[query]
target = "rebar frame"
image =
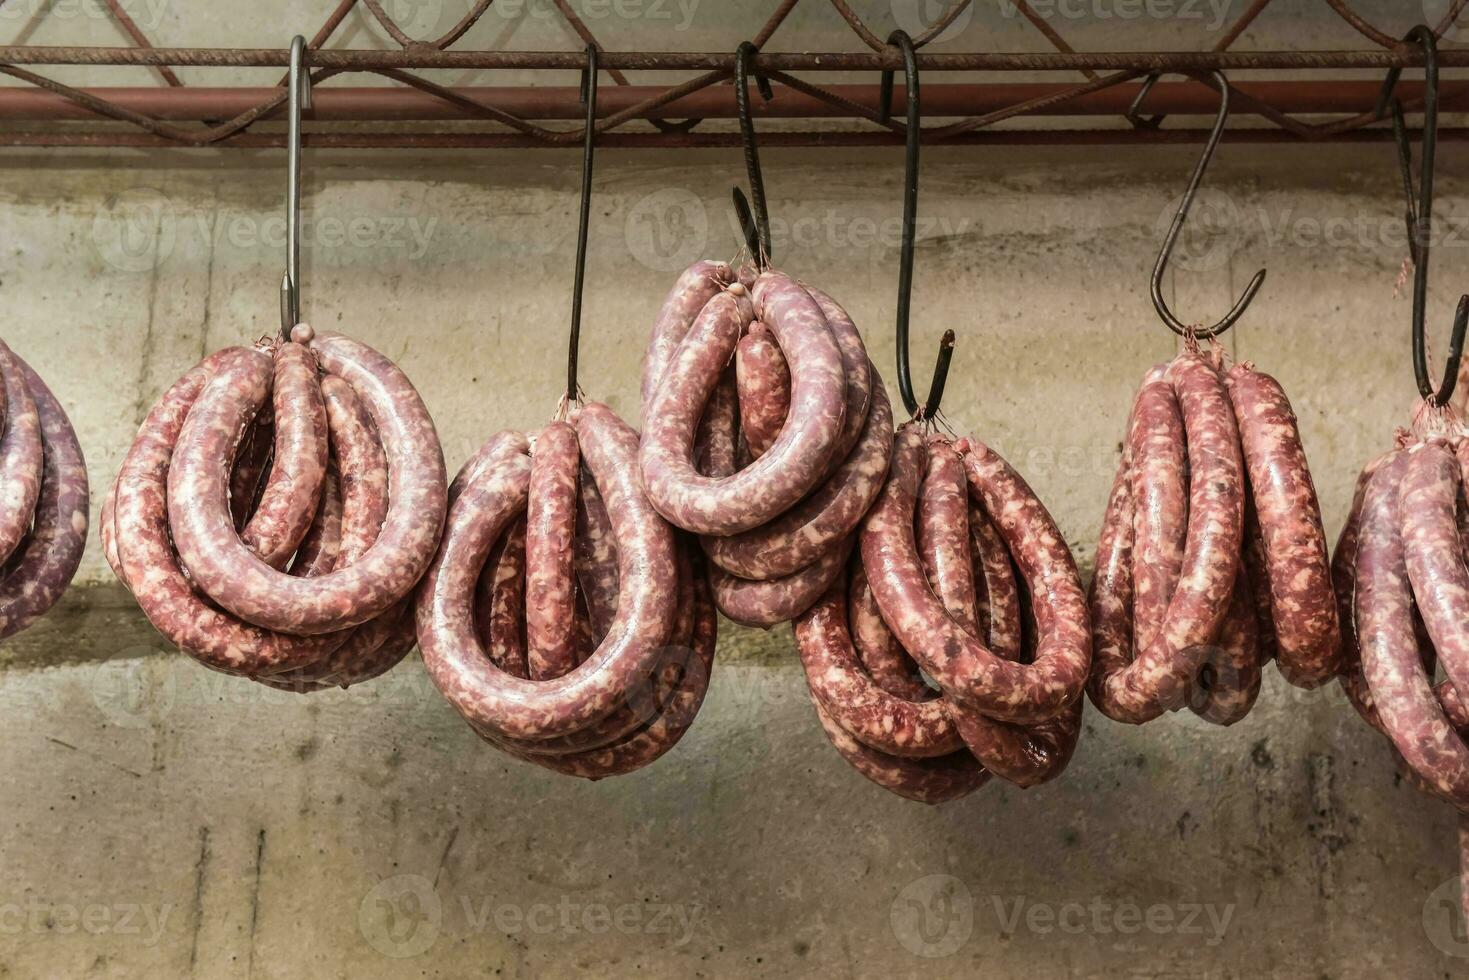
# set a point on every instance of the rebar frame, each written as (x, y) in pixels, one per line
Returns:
(425, 114)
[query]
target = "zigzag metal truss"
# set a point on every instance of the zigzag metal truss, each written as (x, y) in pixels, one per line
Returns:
(423, 113)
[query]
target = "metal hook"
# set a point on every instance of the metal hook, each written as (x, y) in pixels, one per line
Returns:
(1161, 266)
(299, 98)
(756, 228)
(1420, 218)
(589, 99)
(912, 134)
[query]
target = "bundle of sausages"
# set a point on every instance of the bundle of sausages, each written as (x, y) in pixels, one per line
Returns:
(277, 508)
(563, 618)
(1212, 559)
(767, 431)
(43, 496)
(1403, 594)
(961, 573)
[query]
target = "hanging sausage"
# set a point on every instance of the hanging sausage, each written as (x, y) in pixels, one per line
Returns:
(1212, 558)
(767, 430)
(956, 645)
(564, 619)
(282, 500)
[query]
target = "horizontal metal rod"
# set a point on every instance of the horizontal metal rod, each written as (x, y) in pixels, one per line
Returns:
(481, 140)
(426, 57)
(382, 104)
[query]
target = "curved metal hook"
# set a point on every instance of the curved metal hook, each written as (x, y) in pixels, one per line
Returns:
(299, 98)
(589, 99)
(912, 133)
(756, 229)
(1419, 216)
(1184, 204)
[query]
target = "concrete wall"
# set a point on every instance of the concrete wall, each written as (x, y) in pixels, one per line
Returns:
(162, 820)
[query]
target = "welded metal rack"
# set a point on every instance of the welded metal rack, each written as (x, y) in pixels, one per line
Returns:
(402, 108)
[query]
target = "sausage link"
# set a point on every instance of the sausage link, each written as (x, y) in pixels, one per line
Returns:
(770, 602)
(884, 659)
(876, 718)
(20, 455)
(550, 610)
(1109, 598)
(696, 286)
(961, 664)
(1401, 690)
(997, 595)
(362, 471)
(1229, 679)
(44, 565)
(596, 555)
(485, 455)
(1428, 503)
(799, 457)
(1252, 565)
(687, 677)
(151, 568)
(861, 376)
(252, 465)
(323, 541)
(716, 444)
(644, 702)
(494, 701)
(108, 530)
(1159, 474)
(1159, 678)
(500, 603)
(1307, 632)
(1026, 755)
(351, 594)
(935, 780)
(1344, 584)
(942, 530)
(764, 381)
(812, 528)
(370, 651)
(298, 459)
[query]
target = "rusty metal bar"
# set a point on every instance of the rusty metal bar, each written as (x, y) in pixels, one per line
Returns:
(420, 57)
(695, 140)
(382, 104)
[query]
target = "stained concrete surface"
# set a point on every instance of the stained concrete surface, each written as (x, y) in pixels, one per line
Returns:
(165, 821)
